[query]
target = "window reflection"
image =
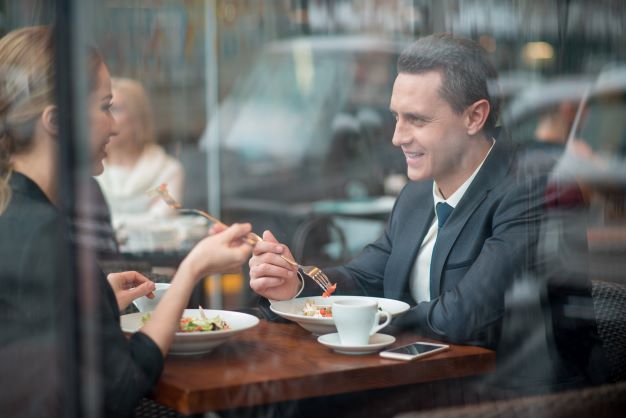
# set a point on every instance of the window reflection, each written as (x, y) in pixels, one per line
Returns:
(287, 101)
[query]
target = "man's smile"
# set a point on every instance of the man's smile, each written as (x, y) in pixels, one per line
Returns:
(413, 155)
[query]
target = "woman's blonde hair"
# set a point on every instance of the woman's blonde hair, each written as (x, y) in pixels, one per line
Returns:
(26, 88)
(138, 105)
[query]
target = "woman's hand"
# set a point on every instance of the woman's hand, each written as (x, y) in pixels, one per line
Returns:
(130, 285)
(217, 228)
(223, 252)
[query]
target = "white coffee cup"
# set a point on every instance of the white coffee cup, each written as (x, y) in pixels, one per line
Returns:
(358, 319)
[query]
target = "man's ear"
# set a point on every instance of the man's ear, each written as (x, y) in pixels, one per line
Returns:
(50, 120)
(476, 116)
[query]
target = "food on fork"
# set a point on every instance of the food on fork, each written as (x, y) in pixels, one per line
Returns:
(162, 192)
(318, 276)
(329, 291)
(313, 272)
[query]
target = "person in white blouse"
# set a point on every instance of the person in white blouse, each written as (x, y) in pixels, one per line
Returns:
(135, 163)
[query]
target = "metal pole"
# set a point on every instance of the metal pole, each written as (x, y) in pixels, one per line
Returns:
(73, 28)
(213, 148)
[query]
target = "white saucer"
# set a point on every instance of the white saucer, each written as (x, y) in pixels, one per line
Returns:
(377, 341)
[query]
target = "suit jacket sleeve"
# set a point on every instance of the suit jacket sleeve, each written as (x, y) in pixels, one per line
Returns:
(363, 275)
(470, 305)
(470, 311)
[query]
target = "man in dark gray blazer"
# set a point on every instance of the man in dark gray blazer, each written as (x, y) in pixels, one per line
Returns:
(461, 229)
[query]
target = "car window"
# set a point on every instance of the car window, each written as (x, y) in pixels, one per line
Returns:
(286, 106)
(604, 124)
(312, 113)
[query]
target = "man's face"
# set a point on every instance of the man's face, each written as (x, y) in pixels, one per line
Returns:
(432, 136)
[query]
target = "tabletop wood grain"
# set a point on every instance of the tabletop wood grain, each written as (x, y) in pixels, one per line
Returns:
(277, 362)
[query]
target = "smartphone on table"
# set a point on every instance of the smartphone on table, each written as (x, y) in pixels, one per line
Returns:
(414, 350)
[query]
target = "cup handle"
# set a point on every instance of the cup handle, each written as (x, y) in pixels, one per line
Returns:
(377, 328)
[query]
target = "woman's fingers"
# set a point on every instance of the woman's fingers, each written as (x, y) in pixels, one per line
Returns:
(217, 228)
(235, 232)
(144, 289)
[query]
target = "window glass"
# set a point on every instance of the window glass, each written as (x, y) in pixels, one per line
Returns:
(281, 113)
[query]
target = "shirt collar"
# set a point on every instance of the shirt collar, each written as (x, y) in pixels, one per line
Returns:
(455, 197)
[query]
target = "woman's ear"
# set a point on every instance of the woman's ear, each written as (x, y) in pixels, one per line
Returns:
(50, 121)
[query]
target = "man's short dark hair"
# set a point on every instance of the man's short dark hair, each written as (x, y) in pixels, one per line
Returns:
(464, 66)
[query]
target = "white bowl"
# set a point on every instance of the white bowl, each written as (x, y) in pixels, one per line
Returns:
(145, 304)
(292, 310)
(200, 342)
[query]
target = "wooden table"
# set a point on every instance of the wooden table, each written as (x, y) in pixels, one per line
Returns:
(276, 362)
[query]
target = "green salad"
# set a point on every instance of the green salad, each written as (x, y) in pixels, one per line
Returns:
(190, 324)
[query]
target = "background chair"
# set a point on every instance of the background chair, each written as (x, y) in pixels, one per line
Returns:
(609, 300)
(150, 409)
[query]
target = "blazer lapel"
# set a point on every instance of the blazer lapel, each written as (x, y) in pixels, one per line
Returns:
(409, 239)
(447, 236)
(492, 172)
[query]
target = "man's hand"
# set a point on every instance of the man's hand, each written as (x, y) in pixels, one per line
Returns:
(130, 285)
(270, 275)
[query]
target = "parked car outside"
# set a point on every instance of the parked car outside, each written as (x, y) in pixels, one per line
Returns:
(539, 120)
(309, 123)
(521, 116)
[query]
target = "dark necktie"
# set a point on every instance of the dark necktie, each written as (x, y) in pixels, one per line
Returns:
(443, 211)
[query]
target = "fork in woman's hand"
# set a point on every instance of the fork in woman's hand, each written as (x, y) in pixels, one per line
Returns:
(313, 272)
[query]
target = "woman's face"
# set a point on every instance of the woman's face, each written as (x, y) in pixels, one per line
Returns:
(102, 124)
(125, 120)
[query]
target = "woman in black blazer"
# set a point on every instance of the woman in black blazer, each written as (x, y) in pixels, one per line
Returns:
(33, 246)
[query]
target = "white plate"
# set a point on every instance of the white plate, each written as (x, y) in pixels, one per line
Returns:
(377, 342)
(201, 342)
(292, 310)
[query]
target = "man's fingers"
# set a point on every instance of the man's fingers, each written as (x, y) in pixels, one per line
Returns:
(278, 249)
(272, 260)
(271, 270)
(269, 237)
(261, 248)
(263, 284)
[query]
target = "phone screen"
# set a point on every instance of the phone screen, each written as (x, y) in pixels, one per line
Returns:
(415, 349)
